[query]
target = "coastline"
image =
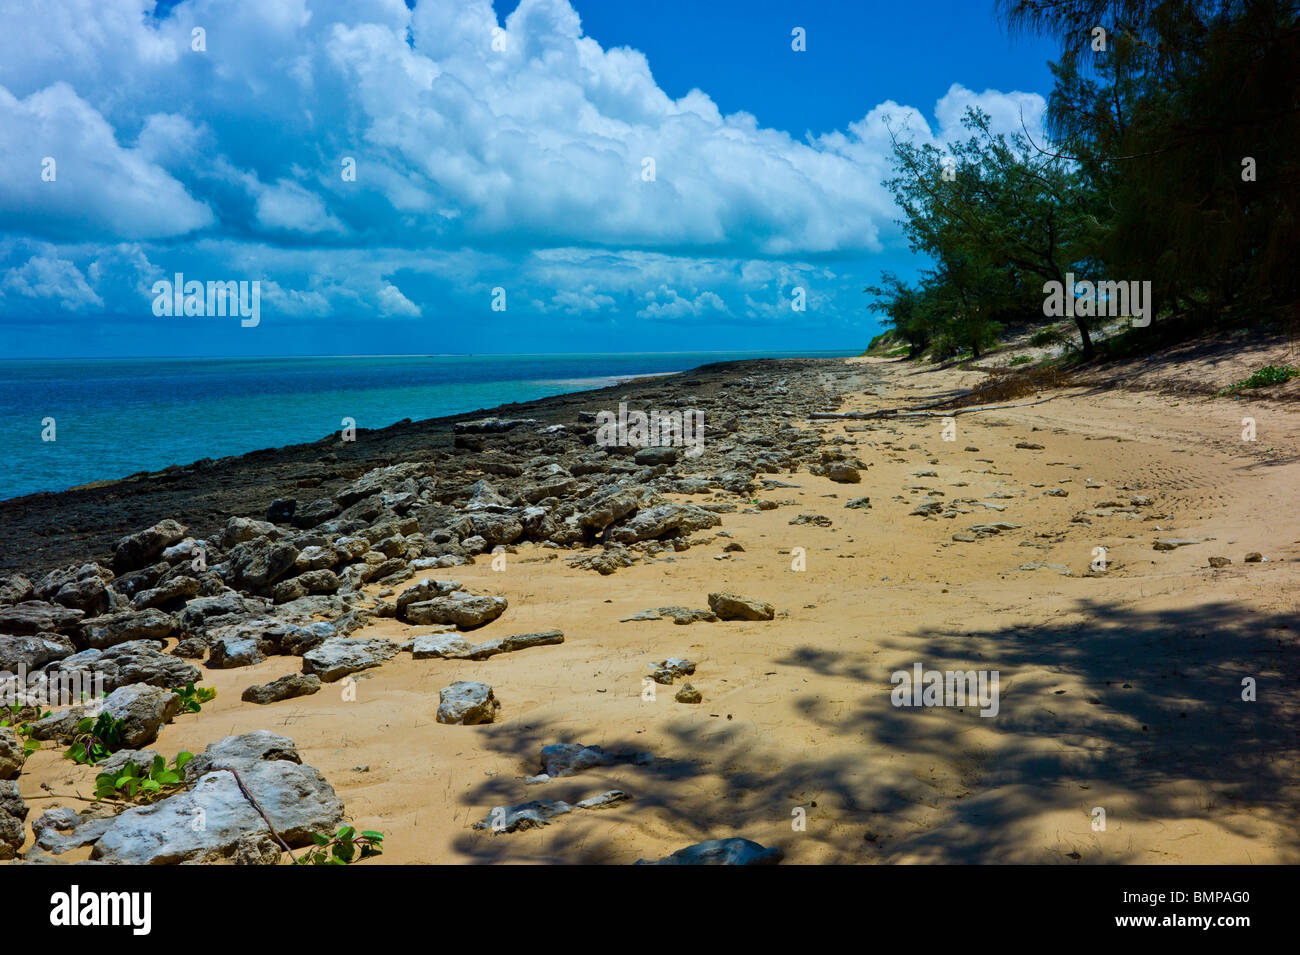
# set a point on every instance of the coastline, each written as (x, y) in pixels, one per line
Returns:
(38, 531)
(1120, 689)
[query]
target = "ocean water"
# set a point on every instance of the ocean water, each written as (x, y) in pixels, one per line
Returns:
(114, 417)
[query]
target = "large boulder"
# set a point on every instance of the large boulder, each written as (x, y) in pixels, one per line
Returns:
(89, 593)
(207, 610)
(269, 635)
(649, 523)
(12, 813)
(380, 479)
(484, 497)
(241, 529)
(339, 656)
(440, 645)
(132, 583)
(169, 592)
(297, 800)
(143, 708)
(656, 455)
(14, 588)
(32, 652)
(605, 507)
(721, 852)
(234, 752)
(285, 688)
(734, 607)
(136, 661)
(143, 547)
(258, 563)
(114, 628)
(426, 589)
(467, 611)
(664, 520)
(226, 653)
(467, 703)
(495, 528)
(37, 616)
(317, 557)
(12, 756)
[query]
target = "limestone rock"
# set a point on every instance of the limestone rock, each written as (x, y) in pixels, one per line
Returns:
(285, 688)
(144, 709)
(467, 703)
(339, 656)
(721, 852)
(734, 607)
(142, 547)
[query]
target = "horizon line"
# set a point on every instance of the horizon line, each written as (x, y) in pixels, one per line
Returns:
(707, 351)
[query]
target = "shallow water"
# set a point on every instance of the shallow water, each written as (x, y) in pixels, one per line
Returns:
(113, 417)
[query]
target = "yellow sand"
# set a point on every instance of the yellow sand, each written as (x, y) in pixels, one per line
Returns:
(797, 711)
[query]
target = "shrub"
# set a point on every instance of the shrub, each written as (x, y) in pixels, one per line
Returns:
(96, 738)
(142, 785)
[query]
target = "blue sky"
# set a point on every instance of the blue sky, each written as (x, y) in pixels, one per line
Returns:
(504, 147)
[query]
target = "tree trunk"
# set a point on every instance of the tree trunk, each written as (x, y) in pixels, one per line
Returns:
(1084, 338)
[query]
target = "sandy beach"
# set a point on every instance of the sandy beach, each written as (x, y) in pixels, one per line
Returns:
(1120, 689)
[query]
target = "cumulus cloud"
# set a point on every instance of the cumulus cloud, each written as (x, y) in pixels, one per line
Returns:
(287, 205)
(53, 279)
(515, 153)
(65, 174)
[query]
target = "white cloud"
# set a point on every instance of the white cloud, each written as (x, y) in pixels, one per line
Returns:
(57, 280)
(96, 186)
(393, 302)
(289, 206)
(526, 161)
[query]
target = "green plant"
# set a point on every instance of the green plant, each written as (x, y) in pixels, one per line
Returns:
(96, 738)
(1268, 375)
(1021, 360)
(192, 699)
(1046, 337)
(142, 785)
(343, 848)
(20, 718)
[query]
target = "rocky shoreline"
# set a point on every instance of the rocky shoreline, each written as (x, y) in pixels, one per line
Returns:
(226, 563)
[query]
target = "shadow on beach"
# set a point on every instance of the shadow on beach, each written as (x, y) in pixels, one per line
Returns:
(1163, 717)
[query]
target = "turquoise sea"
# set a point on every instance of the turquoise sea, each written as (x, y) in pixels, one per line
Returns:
(114, 417)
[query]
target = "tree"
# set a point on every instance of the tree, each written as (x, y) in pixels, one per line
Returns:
(999, 219)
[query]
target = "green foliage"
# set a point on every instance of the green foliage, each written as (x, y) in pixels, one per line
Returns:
(346, 846)
(96, 738)
(1047, 337)
(1268, 375)
(192, 699)
(997, 219)
(21, 717)
(1173, 157)
(1021, 360)
(1186, 125)
(131, 783)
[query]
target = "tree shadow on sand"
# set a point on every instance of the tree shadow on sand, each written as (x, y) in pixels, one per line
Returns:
(1152, 709)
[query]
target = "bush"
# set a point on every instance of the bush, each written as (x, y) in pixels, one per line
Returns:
(1270, 375)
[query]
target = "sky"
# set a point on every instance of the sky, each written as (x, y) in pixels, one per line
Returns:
(452, 176)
